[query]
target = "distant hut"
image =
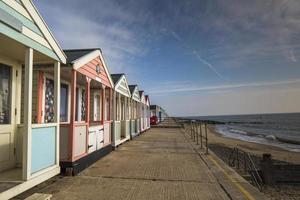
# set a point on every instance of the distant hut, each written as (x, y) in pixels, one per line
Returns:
(122, 97)
(135, 101)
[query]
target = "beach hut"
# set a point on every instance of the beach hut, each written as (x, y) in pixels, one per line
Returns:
(121, 123)
(147, 110)
(154, 114)
(86, 107)
(142, 111)
(29, 151)
(135, 101)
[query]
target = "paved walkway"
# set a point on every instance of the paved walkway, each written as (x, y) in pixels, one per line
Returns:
(160, 164)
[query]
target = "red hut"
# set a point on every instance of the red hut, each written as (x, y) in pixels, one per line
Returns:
(85, 109)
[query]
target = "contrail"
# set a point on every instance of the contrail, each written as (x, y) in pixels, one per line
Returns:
(205, 62)
(226, 87)
(209, 65)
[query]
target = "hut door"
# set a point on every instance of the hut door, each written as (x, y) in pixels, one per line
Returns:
(7, 117)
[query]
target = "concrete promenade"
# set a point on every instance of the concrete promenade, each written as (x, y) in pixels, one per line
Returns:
(160, 164)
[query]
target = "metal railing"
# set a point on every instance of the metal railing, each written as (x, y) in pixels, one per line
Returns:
(239, 157)
(198, 134)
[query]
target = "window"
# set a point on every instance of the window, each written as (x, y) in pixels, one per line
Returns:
(64, 91)
(122, 108)
(107, 107)
(117, 108)
(5, 94)
(97, 105)
(80, 105)
(49, 101)
(83, 105)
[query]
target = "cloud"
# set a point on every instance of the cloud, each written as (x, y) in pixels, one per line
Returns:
(192, 88)
(292, 56)
(244, 44)
(77, 29)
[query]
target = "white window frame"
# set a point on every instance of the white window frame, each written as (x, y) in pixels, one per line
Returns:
(49, 76)
(106, 105)
(78, 103)
(95, 93)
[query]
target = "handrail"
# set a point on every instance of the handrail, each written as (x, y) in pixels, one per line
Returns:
(249, 166)
(196, 133)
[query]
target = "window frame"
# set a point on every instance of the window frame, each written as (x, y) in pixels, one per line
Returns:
(51, 77)
(97, 93)
(11, 103)
(77, 110)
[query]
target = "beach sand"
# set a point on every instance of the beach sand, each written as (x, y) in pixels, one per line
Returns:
(216, 140)
(222, 147)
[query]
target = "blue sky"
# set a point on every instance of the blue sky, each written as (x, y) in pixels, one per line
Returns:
(193, 57)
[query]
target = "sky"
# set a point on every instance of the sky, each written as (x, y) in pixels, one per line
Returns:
(193, 57)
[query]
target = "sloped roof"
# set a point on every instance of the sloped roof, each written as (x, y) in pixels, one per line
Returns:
(34, 13)
(147, 98)
(74, 54)
(131, 88)
(77, 58)
(116, 77)
(141, 92)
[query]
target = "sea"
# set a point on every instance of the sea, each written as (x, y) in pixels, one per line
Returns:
(280, 130)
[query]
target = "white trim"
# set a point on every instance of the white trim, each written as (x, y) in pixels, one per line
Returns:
(57, 85)
(36, 37)
(38, 173)
(44, 125)
(37, 18)
(17, 7)
(11, 128)
(69, 98)
(27, 114)
(78, 102)
(95, 93)
(10, 193)
(147, 103)
(142, 98)
(118, 142)
(51, 77)
(136, 91)
(79, 62)
(118, 84)
(87, 58)
(95, 128)
(106, 70)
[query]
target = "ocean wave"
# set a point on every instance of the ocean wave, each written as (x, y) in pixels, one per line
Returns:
(271, 137)
(238, 131)
(290, 144)
(288, 140)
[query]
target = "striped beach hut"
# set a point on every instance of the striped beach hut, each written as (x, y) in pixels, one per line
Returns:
(121, 123)
(29, 148)
(135, 101)
(86, 109)
(142, 111)
(147, 110)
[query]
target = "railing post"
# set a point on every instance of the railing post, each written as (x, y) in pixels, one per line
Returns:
(197, 132)
(191, 124)
(206, 140)
(237, 158)
(245, 164)
(201, 142)
(194, 132)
